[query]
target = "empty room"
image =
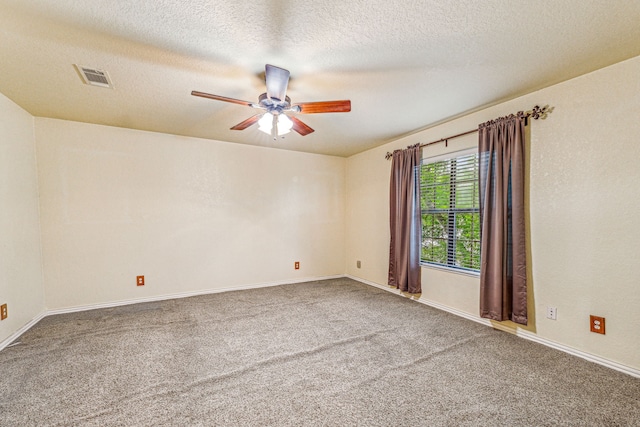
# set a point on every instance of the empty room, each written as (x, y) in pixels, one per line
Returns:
(328, 213)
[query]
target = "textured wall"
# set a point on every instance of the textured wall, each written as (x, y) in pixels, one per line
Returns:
(584, 201)
(188, 214)
(20, 261)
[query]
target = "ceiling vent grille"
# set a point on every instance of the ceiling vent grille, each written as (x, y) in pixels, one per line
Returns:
(94, 77)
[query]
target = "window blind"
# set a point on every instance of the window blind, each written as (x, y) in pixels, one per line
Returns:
(450, 212)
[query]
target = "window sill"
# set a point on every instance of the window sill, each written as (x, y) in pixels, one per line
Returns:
(451, 270)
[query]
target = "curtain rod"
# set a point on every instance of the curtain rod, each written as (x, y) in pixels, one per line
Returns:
(535, 113)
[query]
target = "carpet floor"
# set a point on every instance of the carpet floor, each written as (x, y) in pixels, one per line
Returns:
(325, 353)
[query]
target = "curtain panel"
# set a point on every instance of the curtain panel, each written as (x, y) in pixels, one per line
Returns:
(405, 224)
(503, 277)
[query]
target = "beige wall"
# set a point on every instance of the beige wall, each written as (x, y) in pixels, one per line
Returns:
(584, 205)
(20, 262)
(189, 214)
(197, 215)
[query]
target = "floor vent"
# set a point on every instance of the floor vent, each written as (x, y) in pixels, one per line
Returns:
(91, 76)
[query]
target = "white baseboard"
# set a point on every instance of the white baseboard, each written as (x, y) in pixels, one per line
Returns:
(518, 332)
(587, 356)
(185, 295)
(22, 330)
(75, 309)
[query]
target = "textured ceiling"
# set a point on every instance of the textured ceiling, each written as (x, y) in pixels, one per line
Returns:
(404, 65)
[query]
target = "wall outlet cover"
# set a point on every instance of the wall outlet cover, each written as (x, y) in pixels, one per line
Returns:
(597, 324)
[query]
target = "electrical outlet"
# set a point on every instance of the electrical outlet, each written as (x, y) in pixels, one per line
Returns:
(358, 264)
(296, 265)
(552, 313)
(596, 324)
(140, 280)
(3, 311)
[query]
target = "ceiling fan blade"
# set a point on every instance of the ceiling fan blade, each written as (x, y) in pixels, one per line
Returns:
(245, 124)
(323, 107)
(221, 98)
(277, 80)
(300, 127)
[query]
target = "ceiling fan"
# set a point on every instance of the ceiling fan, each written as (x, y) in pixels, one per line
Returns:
(275, 120)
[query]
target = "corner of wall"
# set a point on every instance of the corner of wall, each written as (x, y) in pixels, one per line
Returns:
(22, 286)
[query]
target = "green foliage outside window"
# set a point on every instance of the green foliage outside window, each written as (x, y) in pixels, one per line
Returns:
(450, 214)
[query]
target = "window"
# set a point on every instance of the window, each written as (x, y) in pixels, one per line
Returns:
(450, 212)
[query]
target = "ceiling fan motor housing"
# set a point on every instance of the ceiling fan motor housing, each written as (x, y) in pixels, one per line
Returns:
(274, 105)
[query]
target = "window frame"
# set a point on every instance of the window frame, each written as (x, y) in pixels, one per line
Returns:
(451, 243)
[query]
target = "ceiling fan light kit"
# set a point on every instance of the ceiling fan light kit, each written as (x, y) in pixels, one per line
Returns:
(284, 124)
(275, 121)
(266, 123)
(275, 125)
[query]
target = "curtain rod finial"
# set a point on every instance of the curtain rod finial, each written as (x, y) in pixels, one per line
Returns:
(539, 112)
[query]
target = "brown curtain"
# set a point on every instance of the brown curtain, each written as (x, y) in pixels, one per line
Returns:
(503, 277)
(404, 250)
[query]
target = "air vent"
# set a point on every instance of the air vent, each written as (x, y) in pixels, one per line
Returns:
(94, 77)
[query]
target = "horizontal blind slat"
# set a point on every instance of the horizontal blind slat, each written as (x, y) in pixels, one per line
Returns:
(449, 204)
